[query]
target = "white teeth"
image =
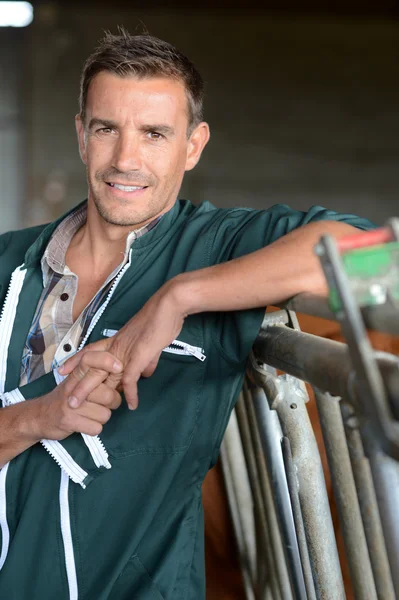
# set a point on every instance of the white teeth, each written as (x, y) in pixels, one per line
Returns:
(126, 188)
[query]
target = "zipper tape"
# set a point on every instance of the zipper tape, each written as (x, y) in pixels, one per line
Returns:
(175, 347)
(53, 447)
(7, 318)
(67, 538)
(93, 442)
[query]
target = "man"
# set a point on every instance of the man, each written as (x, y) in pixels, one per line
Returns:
(164, 300)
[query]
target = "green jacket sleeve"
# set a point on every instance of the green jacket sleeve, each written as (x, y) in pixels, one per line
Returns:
(241, 231)
(39, 387)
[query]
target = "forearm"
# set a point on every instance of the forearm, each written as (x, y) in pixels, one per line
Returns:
(18, 429)
(268, 276)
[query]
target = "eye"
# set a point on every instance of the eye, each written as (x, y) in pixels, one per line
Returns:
(154, 136)
(104, 130)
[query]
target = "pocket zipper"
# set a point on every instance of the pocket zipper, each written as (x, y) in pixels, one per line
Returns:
(175, 347)
(178, 347)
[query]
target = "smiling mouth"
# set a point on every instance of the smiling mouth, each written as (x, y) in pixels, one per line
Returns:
(126, 188)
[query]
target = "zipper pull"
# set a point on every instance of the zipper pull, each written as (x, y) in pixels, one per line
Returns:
(109, 332)
(195, 352)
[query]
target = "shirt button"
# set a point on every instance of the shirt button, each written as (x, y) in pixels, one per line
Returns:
(67, 347)
(64, 297)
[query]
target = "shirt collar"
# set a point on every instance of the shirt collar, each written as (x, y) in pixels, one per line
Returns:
(53, 259)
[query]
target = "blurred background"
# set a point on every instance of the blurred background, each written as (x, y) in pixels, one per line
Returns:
(302, 99)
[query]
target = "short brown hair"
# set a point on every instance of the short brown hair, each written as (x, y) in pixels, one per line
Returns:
(144, 56)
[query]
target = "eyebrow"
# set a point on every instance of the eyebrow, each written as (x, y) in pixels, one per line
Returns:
(158, 127)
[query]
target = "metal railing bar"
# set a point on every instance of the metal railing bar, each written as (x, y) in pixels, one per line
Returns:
(237, 484)
(265, 569)
(288, 397)
(270, 543)
(385, 472)
(346, 496)
(382, 317)
(326, 365)
(270, 435)
(368, 505)
(292, 480)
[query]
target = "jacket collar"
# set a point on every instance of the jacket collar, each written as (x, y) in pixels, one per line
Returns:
(36, 250)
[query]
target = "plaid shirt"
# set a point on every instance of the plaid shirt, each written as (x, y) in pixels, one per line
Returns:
(53, 336)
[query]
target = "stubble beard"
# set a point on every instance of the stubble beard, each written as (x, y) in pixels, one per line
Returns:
(124, 220)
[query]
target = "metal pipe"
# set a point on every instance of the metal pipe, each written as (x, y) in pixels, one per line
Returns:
(292, 480)
(265, 569)
(326, 364)
(368, 505)
(291, 408)
(237, 489)
(270, 543)
(381, 317)
(270, 436)
(385, 473)
(346, 496)
(323, 363)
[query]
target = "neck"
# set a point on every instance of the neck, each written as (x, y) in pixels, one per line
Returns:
(100, 243)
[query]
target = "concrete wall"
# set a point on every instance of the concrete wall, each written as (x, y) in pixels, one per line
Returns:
(302, 110)
(13, 130)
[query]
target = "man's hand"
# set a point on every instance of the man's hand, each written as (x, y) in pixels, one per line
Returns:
(138, 345)
(51, 417)
(56, 418)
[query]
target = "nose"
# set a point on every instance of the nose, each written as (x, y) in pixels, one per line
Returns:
(127, 153)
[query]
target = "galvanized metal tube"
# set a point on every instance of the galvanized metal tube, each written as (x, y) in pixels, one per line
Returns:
(270, 435)
(385, 473)
(292, 479)
(323, 363)
(270, 543)
(264, 566)
(382, 318)
(238, 493)
(294, 418)
(346, 496)
(368, 506)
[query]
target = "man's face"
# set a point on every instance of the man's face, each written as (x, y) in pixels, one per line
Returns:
(135, 146)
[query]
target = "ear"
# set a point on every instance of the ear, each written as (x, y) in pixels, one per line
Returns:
(80, 130)
(196, 143)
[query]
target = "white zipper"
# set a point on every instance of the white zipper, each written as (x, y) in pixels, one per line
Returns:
(93, 443)
(6, 323)
(175, 347)
(98, 453)
(5, 532)
(7, 319)
(178, 347)
(67, 538)
(56, 450)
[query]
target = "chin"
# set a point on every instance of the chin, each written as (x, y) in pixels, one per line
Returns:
(121, 218)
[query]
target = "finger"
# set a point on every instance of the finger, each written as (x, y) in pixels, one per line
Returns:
(96, 412)
(70, 364)
(114, 380)
(85, 425)
(129, 382)
(92, 370)
(149, 370)
(105, 396)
